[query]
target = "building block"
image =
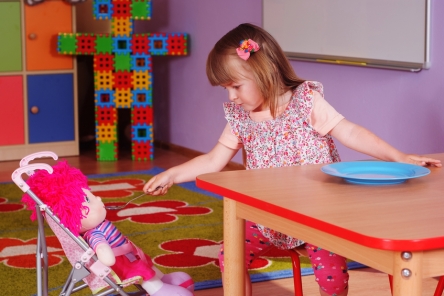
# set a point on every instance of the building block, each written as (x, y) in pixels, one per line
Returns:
(123, 72)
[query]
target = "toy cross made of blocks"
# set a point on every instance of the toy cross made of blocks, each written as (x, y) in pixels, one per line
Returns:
(123, 72)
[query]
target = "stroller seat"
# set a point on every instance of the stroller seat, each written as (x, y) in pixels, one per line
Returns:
(81, 262)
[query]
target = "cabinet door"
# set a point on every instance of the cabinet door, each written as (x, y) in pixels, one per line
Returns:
(12, 126)
(10, 37)
(42, 24)
(51, 108)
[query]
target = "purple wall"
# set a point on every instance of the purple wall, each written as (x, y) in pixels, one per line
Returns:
(403, 108)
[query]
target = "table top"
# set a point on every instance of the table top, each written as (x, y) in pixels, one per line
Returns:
(397, 217)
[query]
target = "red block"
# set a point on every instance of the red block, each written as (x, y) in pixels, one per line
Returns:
(177, 45)
(86, 44)
(122, 80)
(103, 62)
(121, 9)
(106, 115)
(142, 150)
(142, 115)
(139, 44)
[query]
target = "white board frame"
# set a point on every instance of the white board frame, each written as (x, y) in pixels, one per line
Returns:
(392, 34)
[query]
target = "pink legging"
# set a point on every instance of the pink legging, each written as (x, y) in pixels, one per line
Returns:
(330, 270)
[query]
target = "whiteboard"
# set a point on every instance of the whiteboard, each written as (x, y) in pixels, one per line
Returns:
(377, 33)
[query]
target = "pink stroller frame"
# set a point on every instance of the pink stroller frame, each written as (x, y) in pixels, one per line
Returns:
(86, 266)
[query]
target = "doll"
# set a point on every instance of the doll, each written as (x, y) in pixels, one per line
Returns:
(67, 193)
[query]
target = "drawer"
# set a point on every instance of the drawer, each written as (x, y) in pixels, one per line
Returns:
(12, 119)
(10, 37)
(42, 24)
(51, 108)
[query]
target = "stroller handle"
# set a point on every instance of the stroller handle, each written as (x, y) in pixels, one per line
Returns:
(25, 160)
(28, 169)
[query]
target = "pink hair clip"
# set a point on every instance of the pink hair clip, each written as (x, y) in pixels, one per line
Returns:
(245, 47)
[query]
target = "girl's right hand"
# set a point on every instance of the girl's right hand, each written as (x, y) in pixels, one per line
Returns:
(158, 185)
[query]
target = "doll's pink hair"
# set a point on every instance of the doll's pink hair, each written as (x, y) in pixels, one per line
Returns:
(62, 192)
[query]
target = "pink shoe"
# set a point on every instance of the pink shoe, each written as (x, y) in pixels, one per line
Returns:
(179, 278)
(171, 290)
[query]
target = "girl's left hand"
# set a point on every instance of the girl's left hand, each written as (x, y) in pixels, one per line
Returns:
(423, 161)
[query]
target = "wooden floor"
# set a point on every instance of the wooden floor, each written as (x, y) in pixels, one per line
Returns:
(363, 282)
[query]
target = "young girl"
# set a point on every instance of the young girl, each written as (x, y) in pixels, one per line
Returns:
(279, 120)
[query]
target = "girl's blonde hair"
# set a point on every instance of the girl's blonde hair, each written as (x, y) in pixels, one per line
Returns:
(270, 67)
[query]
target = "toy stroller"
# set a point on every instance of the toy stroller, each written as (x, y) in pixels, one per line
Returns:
(95, 265)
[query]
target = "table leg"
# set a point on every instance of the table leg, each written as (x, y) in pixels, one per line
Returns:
(407, 274)
(234, 254)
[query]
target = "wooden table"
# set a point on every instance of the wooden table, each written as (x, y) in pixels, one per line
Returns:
(374, 225)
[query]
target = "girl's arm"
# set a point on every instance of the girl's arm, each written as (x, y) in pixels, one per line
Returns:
(362, 140)
(213, 161)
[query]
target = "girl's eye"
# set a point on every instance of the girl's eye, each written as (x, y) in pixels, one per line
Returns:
(87, 199)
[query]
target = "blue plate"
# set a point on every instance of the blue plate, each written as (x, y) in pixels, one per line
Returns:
(375, 172)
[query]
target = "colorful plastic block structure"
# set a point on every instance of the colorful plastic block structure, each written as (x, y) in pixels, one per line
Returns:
(123, 72)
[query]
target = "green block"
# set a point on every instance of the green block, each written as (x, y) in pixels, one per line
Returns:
(104, 44)
(140, 9)
(122, 62)
(106, 152)
(67, 44)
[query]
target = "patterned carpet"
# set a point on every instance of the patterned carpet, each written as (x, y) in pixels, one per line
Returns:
(180, 231)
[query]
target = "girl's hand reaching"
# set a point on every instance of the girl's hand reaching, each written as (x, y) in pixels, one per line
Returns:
(423, 161)
(158, 185)
(213, 161)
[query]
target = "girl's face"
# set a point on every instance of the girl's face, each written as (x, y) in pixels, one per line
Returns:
(244, 91)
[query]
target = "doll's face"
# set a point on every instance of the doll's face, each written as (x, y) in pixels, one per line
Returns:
(97, 211)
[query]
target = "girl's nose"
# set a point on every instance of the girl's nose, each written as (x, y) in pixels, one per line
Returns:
(232, 96)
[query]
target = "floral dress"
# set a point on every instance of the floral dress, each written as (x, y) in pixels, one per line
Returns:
(287, 140)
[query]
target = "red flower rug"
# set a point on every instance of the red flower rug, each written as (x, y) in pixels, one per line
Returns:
(181, 231)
